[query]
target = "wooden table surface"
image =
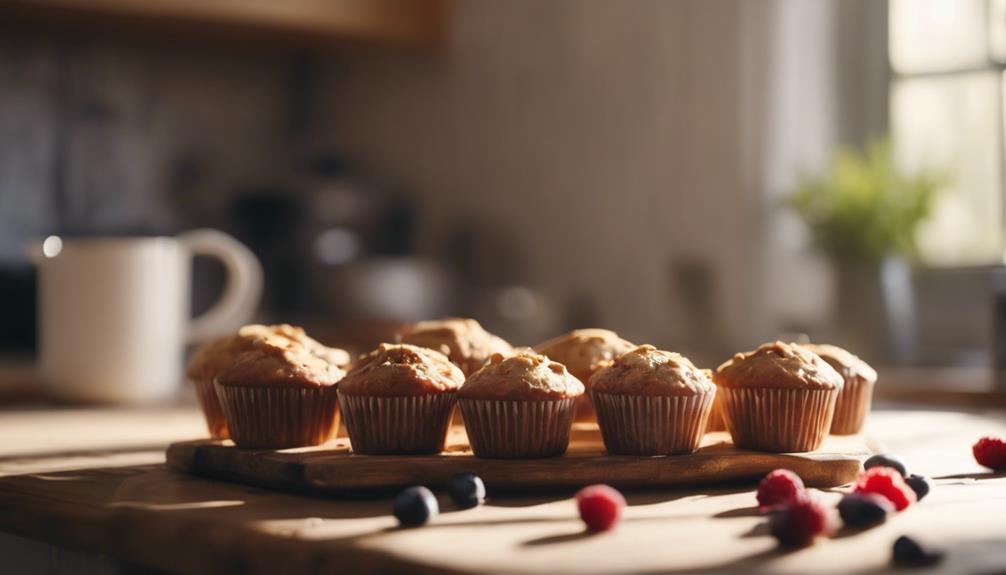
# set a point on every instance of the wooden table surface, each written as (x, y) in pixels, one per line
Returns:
(94, 480)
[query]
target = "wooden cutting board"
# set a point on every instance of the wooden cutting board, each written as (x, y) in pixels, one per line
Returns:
(332, 468)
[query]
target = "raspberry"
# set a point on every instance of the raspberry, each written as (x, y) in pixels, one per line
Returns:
(886, 481)
(600, 506)
(991, 452)
(800, 522)
(779, 487)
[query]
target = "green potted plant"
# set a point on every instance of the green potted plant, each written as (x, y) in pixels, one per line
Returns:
(864, 212)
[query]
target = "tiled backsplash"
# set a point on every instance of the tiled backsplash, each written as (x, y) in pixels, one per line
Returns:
(96, 136)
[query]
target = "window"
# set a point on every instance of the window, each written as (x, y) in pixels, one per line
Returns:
(947, 99)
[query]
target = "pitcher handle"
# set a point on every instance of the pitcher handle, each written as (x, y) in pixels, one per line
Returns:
(242, 290)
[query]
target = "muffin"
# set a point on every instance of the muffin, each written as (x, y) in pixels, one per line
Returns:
(583, 352)
(219, 354)
(779, 397)
(462, 340)
(519, 406)
(399, 399)
(279, 394)
(854, 400)
(652, 402)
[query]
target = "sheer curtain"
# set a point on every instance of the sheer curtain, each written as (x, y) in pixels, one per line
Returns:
(619, 141)
(817, 77)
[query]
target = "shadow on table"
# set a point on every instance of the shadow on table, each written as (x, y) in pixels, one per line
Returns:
(152, 488)
(557, 539)
(35, 456)
(749, 563)
(752, 511)
(121, 509)
(759, 530)
(156, 489)
(975, 476)
(633, 497)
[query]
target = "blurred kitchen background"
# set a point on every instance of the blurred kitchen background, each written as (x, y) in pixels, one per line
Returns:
(537, 165)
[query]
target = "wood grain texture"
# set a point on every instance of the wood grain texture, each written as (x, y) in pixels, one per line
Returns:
(410, 22)
(333, 468)
(61, 490)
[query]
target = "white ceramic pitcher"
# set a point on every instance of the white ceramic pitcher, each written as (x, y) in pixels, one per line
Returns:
(114, 311)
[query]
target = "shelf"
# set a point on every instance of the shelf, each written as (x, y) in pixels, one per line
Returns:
(316, 22)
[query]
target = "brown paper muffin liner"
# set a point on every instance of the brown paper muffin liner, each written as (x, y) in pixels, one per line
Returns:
(499, 429)
(778, 420)
(648, 425)
(216, 423)
(852, 407)
(262, 417)
(716, 422)
(398, 425)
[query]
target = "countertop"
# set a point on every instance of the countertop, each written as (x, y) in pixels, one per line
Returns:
(92, 482)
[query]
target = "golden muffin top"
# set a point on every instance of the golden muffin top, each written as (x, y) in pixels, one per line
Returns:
(402, 370)
(220, 353)
(846, 364)
(463, 340)
(649, 371)
(778, 365)
(524, 376)
(275, 360)
(584, 351)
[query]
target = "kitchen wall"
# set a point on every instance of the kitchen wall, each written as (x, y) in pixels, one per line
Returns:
(627, 160)
(634, 154)
(100, 135)
(126, 135)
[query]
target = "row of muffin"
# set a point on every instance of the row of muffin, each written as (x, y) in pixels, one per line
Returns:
(274, 387)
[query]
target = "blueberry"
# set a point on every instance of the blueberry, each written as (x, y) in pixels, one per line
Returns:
(414, 506)
(466, 490)
(909, 553)
(920, 484)
(884, 460)
(864, 509)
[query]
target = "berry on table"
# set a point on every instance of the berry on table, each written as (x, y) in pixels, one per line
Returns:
(909, 553)
(466, 490)
(920, 484)
(991, 452)
(801, 522)
(780, 487)
(864, 509)
(886, 481)
(414, 506)
(887, 460)
(600, 506)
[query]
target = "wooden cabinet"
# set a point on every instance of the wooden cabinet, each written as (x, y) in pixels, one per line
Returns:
(319, 22)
